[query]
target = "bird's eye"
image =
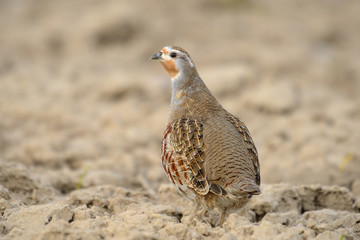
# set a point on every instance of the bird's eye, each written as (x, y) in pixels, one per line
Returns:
(173, 55)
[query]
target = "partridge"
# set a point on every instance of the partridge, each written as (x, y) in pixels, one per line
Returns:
(207, 152)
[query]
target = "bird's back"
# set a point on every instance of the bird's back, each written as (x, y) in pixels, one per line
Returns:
(229, 161)
(227, 158)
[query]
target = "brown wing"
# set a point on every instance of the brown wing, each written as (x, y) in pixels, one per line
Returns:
(183, 155)
(242, 129)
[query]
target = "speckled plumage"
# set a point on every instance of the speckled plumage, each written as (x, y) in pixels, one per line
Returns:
(206, 152)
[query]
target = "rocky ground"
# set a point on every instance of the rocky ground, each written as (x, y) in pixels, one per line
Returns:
(82, 112)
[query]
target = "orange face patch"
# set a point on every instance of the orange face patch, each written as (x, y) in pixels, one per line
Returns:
(170, 67)
(165, 51)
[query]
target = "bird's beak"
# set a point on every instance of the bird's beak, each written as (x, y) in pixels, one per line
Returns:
(156, 56)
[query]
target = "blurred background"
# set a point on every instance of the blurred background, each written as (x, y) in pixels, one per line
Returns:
(80, 99)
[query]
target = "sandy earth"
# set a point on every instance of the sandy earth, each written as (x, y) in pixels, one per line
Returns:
(82, 112)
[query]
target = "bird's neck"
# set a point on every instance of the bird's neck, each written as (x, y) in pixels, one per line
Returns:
(185, 85)
(190, 96)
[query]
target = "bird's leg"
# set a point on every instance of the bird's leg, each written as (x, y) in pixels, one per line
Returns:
(198, 213)
(222, 218)
(194, 214)
(202, 213)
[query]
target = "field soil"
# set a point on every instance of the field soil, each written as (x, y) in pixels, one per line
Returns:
(83, 110)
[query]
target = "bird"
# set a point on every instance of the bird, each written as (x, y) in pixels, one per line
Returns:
(206, 152)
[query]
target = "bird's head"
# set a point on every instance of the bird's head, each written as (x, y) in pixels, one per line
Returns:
(175, 60)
